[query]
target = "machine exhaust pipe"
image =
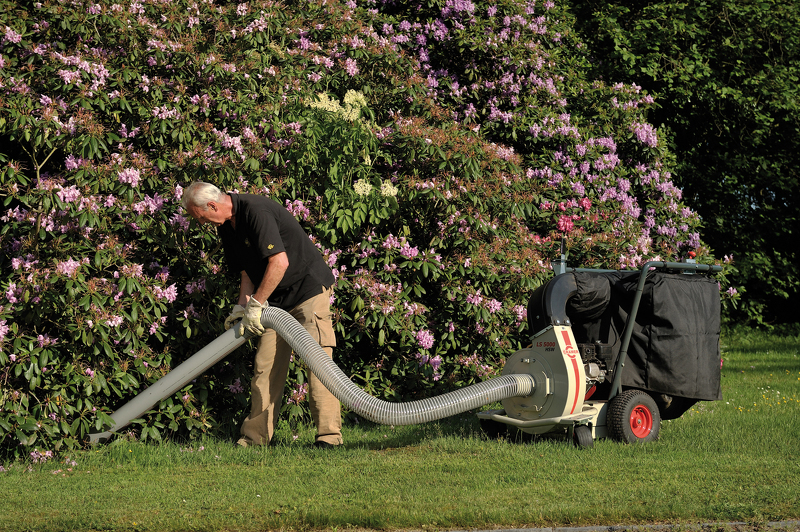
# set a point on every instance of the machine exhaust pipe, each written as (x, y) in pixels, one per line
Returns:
(321, 365)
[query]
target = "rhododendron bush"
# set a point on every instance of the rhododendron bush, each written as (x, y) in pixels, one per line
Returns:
(436, 152)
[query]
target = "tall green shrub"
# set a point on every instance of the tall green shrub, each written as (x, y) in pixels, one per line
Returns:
(726, 77)
(436, 152)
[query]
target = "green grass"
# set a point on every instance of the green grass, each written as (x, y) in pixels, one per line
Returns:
(731, 460)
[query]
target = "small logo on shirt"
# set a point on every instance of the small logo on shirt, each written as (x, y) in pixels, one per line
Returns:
(270, 246)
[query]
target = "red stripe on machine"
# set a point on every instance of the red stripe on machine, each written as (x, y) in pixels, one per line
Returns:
(572, 353)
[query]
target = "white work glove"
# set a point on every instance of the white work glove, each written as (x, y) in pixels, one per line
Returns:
(236, 314)
(252, 318)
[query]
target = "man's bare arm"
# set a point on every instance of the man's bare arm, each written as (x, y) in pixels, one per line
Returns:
(278, 263)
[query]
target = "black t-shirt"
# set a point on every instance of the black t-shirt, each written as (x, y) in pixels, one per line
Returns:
(263, 228)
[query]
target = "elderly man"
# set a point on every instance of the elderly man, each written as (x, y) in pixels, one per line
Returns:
(279, 266)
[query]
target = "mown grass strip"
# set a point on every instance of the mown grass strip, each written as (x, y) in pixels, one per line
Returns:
(731, 460)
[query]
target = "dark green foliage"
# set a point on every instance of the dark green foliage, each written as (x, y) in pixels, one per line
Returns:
(726, 77)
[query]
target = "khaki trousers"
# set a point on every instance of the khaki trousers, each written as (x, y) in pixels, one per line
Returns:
(272, 367)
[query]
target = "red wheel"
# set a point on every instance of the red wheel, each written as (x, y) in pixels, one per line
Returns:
(633, 417)
(641, 421)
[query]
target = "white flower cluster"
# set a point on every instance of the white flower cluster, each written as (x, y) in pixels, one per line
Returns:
(388, 189)
(362, 187)
(354, 101)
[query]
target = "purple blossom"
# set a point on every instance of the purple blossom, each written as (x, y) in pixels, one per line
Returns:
(12, 293)
(39, 457)
(150, 205)
(298, 209)
(179, 221)
(43, 340)
(666, 230)
(229, 142)
(69, 76)
(293, 128)
(409, 252)
(351, 66)
(391, 242)
(298, 394)
(11, 36)
(196, 286)
(3, 330)
(424, 339)
(129, 176)
(236, 386)
(132, 270)
(164, 113)
(521, 312)
(156, 324)
(475, 298)
(69, 195)
(493, 306)
(645, 133)
(69, 267)
(170, 294)
(190, 312)
(455, 7)
(73, 163)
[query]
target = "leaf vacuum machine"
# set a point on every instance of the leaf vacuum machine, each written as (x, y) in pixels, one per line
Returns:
(612, 354)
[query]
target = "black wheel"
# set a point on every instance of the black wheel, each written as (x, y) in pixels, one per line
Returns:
(494, 430)
(633, 417)
(582, 437)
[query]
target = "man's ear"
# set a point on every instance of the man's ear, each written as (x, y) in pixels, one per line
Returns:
(212, 205)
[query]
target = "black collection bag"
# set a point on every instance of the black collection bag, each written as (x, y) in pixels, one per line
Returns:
(674, 348)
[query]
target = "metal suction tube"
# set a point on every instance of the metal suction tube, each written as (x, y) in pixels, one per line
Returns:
(332, 377)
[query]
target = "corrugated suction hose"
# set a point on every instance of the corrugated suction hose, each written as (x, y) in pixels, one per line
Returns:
(384, 412)
(332, 377)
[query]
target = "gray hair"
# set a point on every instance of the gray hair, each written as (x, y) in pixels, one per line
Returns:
(198, 194)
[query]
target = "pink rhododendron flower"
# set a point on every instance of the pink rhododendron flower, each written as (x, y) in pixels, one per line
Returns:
(4, 331)
(129, 176)
(351, 66)
(236, 386)
(68, 267)
(170, 294)
(425, 339)
(565, 224)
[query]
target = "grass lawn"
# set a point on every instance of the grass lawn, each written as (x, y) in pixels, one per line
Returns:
(733, 460)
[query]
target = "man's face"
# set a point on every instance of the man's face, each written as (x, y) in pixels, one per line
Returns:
(211, 216)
